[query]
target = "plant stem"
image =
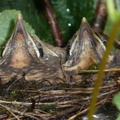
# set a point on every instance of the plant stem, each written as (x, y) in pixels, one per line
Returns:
(100, 17)
(54, 26)
(96, 71)
(98, 82)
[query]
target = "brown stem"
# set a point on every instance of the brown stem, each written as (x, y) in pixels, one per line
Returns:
(99, 20)
(54, 26)
(86, 109)
(116, 42)
(3, 116)
(100, 17)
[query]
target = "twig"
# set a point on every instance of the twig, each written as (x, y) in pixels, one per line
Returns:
(78, 114)
(99, 20)
(54, 103)
(24, 114)
(9, 110)
(55, 29)
(116, 42)
(96, 71)
(100, 17)
(65, 112)
(3, 117)
(13, 118)
(19, 112)
(85, 110)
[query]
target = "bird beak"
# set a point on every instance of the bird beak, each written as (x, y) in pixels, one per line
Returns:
(20, 49)
(86, 49)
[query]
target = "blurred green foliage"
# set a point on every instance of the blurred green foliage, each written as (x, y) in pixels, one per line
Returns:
(7, 24)
(68, 13)
(113, 8)
(116, 101)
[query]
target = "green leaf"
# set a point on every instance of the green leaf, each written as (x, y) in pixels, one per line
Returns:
(113, 16)
(27, 9)
(118, 5)
(7, 23)
(116, 100)
(68, 13)
(118, 118)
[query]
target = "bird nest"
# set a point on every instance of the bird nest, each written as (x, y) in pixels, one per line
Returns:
(37, 85)
(33, 100)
